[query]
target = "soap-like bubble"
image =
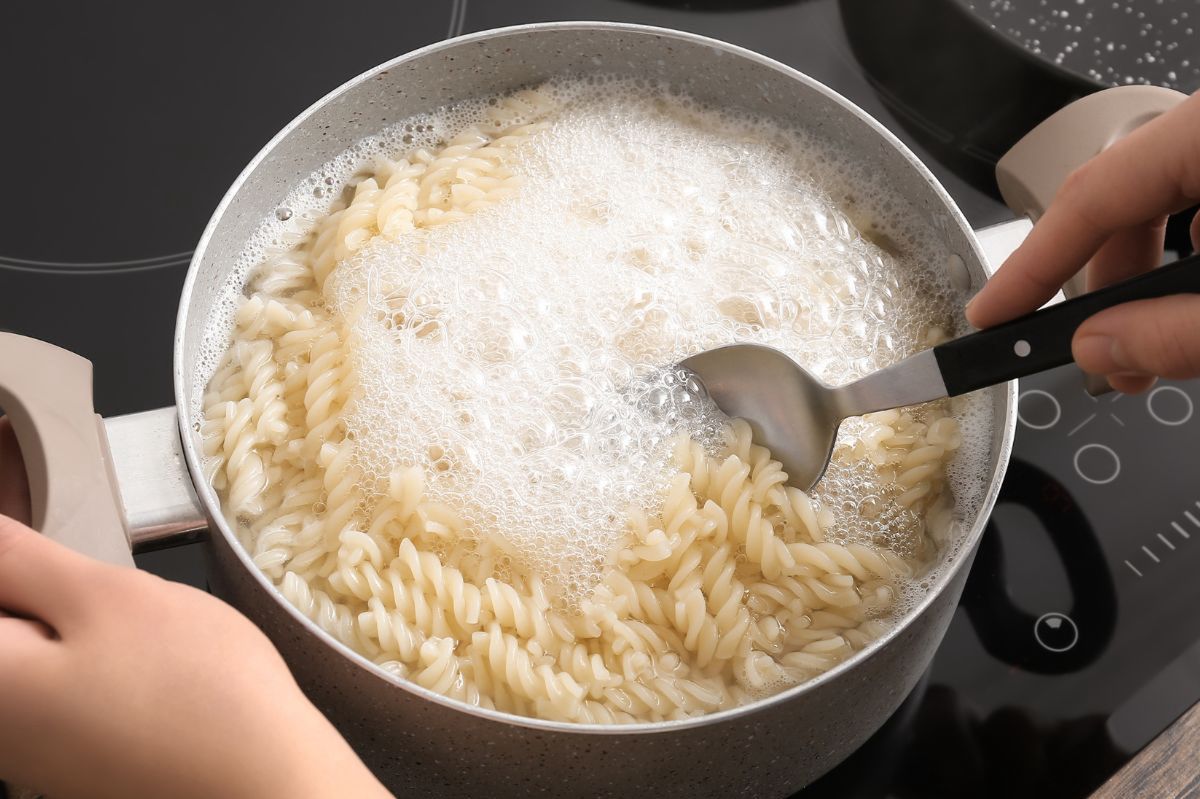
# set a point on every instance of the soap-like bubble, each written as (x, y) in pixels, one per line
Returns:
(525, 355)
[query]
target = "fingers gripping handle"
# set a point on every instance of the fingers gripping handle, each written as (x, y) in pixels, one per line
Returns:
(1042, 340)
(47, 394)
(1030, 174)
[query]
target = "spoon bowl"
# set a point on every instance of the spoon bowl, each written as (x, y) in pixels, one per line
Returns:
(796, 416)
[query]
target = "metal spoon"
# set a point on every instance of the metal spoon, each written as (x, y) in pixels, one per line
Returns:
(796, 416)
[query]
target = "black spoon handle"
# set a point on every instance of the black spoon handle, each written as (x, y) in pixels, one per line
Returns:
(1042, 340)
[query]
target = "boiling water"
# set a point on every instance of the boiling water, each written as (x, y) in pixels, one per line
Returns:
(523, 355)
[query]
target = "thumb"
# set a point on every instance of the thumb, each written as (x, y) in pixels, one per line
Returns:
(1158, 337)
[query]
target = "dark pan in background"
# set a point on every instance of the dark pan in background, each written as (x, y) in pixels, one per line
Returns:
(968, 78)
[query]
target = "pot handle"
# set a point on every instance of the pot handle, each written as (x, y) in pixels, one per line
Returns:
(1030, 173)
(47, 394)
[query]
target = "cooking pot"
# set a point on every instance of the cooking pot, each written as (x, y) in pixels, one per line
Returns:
(102, 486)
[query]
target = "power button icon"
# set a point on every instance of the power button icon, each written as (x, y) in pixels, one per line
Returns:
(1055, 632)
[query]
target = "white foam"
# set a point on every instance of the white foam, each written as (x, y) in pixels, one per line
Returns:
(518, 354)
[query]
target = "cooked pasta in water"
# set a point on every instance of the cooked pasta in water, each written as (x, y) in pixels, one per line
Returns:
(449, 428)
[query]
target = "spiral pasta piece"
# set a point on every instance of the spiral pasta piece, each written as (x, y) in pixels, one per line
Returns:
(731, 586)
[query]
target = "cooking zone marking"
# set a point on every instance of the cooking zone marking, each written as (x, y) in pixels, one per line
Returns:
(1187, 410)
(1171, 546)
(1029, 417)
(1089, 472)
(1096, 401)
(1080, 426)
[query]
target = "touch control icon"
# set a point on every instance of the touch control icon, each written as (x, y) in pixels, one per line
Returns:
(1097, 463)
(1055, 632)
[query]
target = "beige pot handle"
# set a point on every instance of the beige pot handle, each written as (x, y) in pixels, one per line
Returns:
(1030, 173)
(47, 394)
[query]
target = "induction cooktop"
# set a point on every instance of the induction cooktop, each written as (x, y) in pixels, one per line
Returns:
(1075, 642)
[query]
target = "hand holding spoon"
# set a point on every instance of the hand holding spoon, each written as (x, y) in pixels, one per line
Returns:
(796, 416)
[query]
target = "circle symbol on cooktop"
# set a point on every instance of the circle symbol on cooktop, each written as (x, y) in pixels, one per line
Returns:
(1038, 409)
(1097, 463)
(1055, 632)
(1173, 408)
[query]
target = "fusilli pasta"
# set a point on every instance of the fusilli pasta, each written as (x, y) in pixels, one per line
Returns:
(734, 587)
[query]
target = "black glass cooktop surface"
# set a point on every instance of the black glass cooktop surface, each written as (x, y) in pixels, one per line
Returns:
(1075, 643)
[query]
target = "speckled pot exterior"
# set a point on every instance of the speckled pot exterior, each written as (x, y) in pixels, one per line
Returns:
(421, 747)
(423, 744)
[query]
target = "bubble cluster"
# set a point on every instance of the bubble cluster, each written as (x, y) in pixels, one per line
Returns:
(524, 356)
(522, 351)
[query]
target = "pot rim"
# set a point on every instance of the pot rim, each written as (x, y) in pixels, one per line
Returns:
(962, 553)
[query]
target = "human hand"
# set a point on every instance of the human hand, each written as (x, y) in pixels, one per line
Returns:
(1111, 215)
(115, 683)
